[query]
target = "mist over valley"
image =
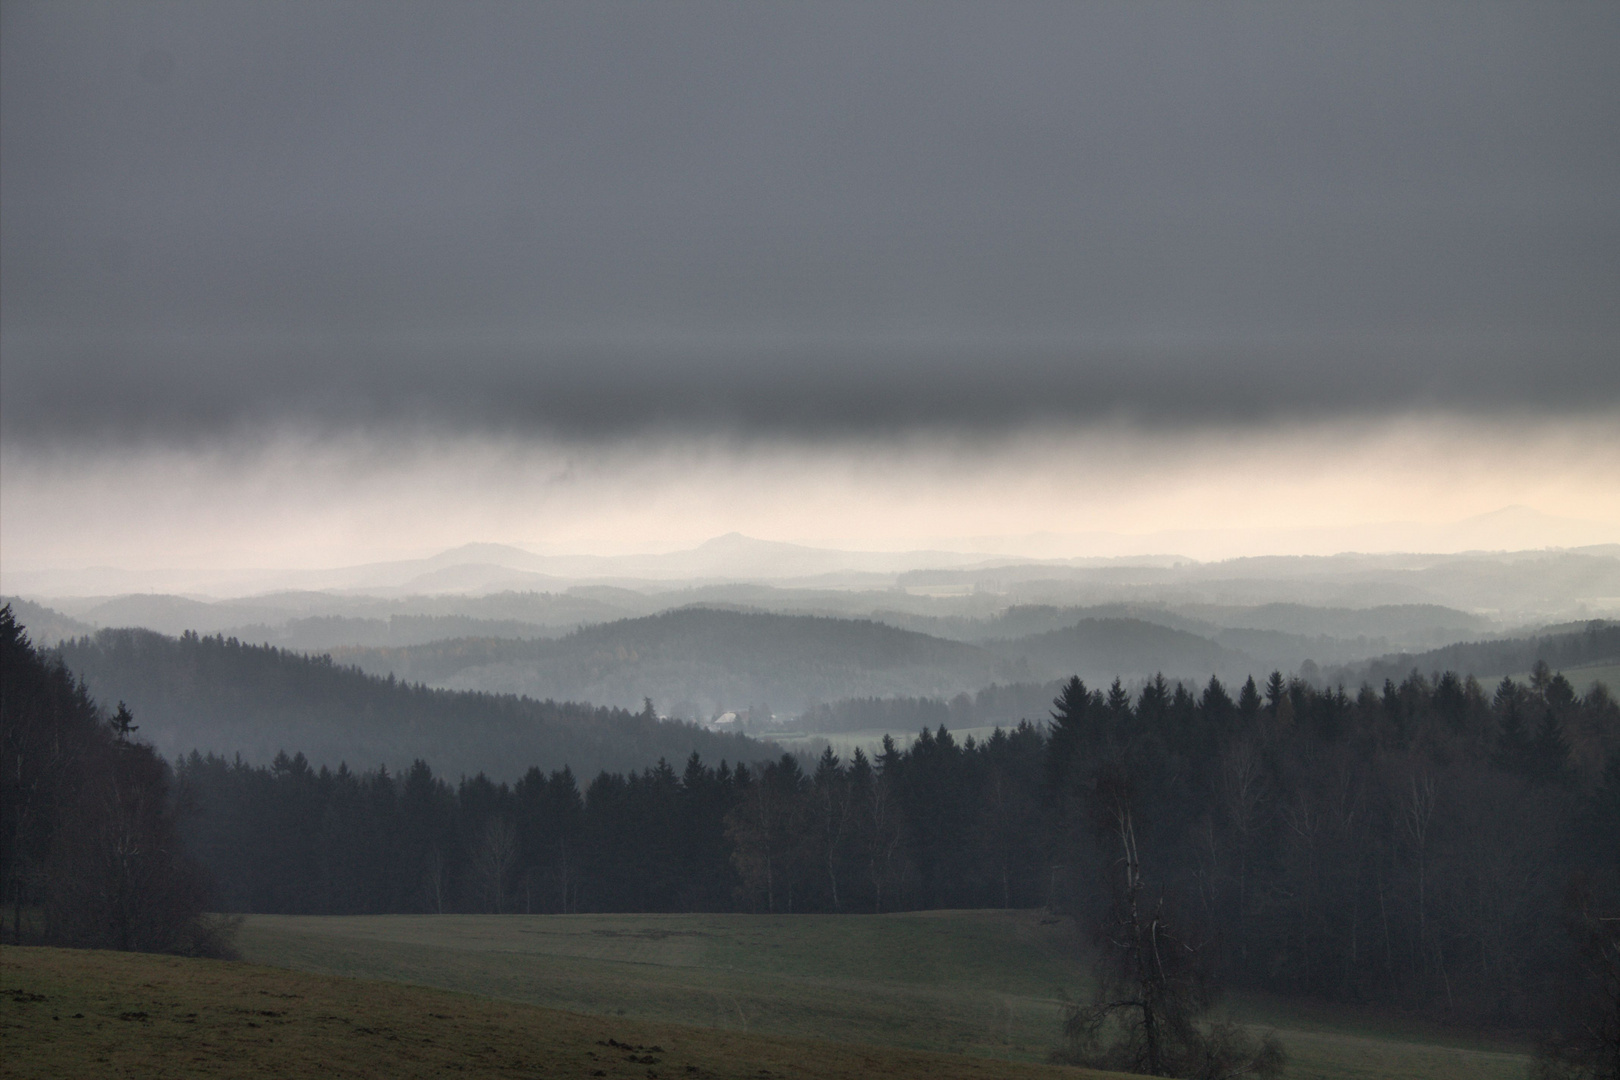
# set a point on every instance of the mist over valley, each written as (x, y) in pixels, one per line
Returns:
(818, 539)
(770, 653)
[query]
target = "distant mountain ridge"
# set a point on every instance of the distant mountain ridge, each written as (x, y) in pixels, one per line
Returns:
(498, 567)
(1470, 579)
(312, 620)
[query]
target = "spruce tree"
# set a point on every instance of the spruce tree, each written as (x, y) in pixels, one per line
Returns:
(1513, 751)
(1549, 750)
(1119, 701)
(1070, 729)
(1249, 700)
(1216, 703)
(1277, 689)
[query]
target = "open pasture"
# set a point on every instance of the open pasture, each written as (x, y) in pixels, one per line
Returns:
(78, 1014)
(923, 982)
(1584, 678)
(987, 984)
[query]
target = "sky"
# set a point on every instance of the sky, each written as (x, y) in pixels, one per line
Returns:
(294, 284)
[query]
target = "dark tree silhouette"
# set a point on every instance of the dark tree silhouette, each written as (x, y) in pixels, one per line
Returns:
(92, 847)
(1586, 1044)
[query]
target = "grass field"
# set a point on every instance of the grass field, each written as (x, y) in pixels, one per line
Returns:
(983, 984)
(1582, 678)
(79, 1015)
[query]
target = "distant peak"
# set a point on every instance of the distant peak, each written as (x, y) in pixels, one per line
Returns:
(733, 541)
(1517, 511)
(481, 548)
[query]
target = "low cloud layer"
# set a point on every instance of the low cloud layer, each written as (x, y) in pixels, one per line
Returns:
(1117, 490)
(593, 220)
(198, 390)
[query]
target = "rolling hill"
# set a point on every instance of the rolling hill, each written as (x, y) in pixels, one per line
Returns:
(320, 620)
(218, 695)
(1596, 643)
(1101, 649)
(698, 661)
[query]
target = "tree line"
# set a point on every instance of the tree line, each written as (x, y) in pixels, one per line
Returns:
(1427, 844)
(1409, 845)
(862, 835)
(213, 692)
(90, 854)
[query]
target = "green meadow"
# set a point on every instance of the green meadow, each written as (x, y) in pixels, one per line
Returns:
(69, 1014)
(1582, 678)
(982, 984)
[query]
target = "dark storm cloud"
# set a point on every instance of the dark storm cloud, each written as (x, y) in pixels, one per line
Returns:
(818, 218)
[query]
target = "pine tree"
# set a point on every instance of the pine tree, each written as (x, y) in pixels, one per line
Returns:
(1509, 694)
(1070, 706)
(1513, 749)
(1119, 701)
(123, 723)
(1071, 730)
(93, 835)
(1216, 703)
(1549, 750)
(1249, 700)
(1153, 702)
(1276, 690)
(1559, 693)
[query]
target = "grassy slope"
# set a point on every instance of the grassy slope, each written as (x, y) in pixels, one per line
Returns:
(979, 983)
(1581, 678)
(81, 1014)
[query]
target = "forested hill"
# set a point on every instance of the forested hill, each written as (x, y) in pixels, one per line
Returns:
(1099, 649)
(701, 660)
(45, 626)
(1597, 642)
(698, 661)
(218, 694)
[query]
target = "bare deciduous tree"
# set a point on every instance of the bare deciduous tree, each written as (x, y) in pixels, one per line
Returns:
(1151, 982)
(497, 854)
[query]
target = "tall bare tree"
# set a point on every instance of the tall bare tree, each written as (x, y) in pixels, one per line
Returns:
(497, 855)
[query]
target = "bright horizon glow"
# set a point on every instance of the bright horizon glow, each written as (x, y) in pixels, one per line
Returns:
(292, 502)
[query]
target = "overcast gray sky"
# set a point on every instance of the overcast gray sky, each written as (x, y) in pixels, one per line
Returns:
(305, 282)
(819, 218)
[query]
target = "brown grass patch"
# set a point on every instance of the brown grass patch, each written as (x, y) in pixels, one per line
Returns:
(81, 1014)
